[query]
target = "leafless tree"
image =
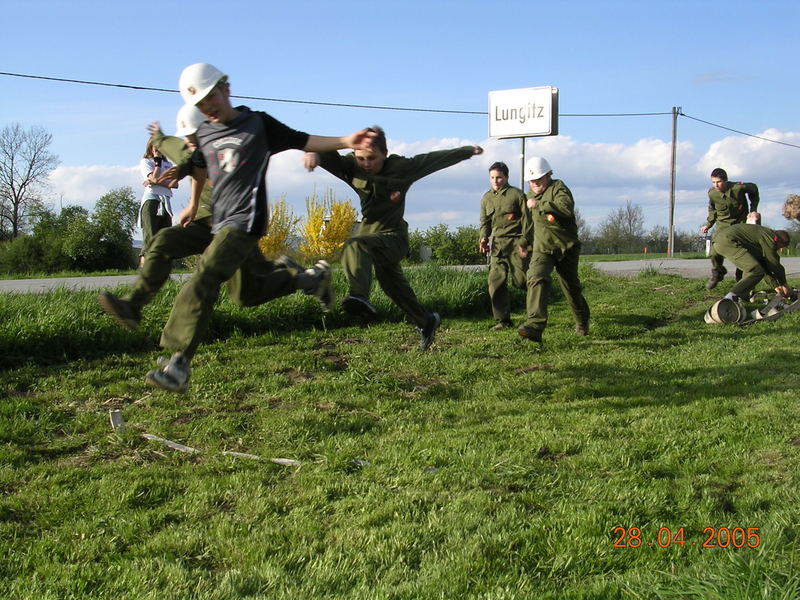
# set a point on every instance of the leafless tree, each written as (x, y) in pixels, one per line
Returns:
(584, 231)
(25, 163)
(631, 218)
(623, 229)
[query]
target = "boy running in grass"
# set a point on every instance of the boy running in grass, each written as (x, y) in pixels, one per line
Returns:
(555, 247)
(505, 219)
(381, 182)
(256, 282)
(234, 148)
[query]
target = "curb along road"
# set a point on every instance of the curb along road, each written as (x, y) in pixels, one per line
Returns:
(694, 268)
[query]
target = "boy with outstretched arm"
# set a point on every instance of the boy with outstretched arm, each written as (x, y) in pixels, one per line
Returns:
(234, 148)
(382, 182)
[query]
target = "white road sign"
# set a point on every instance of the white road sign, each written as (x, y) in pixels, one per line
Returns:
(525, 112)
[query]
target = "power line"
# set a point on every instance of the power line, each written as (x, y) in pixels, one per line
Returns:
(646, 114)
(340, 104)
(395, 108)
(156, 89)
(758, 137)
(119, 85)
(316, 103)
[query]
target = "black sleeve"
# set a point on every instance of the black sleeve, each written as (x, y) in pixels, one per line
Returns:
(282, 137)
(195, 159)
(198, 160)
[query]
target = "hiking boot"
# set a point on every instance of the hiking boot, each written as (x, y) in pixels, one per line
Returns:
(358, 306)
(582, 328)
(172, 376)
(428, 332)
(121, 310)
(505, 324)
(323, 291)
(715, 279)
(529, 333)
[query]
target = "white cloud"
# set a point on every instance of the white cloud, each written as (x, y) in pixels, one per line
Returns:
(601, 176)
(646, 161)
(83, 186)
(753, 159)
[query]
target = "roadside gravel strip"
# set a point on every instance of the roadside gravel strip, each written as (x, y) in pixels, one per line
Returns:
(695, 268)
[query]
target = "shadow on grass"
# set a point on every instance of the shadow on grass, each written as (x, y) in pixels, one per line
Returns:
(624, 388)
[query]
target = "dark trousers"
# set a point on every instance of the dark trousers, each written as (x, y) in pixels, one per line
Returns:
(383, 253)
(501, 266)
(154, 218)
(258, 280)
(540, 284)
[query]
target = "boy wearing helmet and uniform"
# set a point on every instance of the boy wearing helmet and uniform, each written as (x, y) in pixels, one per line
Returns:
(234, 148)
(505, 218)
(256, 282)
(555, 246)
(381, 182)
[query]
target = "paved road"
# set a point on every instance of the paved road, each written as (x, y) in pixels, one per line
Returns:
(692, 268)
(105, 282)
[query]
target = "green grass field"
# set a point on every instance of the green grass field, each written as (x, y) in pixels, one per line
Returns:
(485, 468)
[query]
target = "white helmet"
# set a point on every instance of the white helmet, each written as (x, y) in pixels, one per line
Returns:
(536, 167)
(188, 120)
(198, 80)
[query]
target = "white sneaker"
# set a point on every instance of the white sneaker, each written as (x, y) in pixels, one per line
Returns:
(323, 290)
(172, 376)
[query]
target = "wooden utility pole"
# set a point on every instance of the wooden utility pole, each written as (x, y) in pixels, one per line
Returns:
(676, 110)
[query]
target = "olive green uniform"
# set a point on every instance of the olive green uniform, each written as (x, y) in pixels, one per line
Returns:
(256, 282)
(236, 155)
(505, 217)
(752, 248)
(381, 241)
(726, 208)
(555, 246)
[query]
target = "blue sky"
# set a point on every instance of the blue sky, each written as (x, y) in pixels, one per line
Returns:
(732, 63)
